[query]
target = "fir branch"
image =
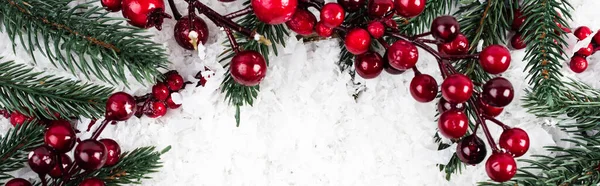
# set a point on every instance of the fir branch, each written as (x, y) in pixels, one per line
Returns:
(15, 145)
(35, 94)
(83, 38)
(422, 23)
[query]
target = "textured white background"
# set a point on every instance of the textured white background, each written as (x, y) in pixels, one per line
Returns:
(305, 127)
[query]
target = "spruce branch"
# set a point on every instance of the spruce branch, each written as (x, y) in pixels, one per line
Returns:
(422, 23)
(15, 145)
(83, 38)
(36, 94)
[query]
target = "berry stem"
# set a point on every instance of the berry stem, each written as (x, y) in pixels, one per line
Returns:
(481, 122)
(43, 178)
(176, 13)
(416, 71)
(443, 69)
(239, 13)
(421, 35)
(497, 122)
(458, 57)
(383, 43)
(430, 41)
(220, 20)
(234, 45)
(99, 130)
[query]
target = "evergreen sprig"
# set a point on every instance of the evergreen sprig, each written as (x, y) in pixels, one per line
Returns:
(83, 38)
(36, 94)
(15, 145)
(422, 23)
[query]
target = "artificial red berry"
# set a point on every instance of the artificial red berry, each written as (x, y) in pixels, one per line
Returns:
(351, 5)
(501, 167)
(378, 8)
(92, 182)
(303, 22)
(156, 109)
(596, 38)
(187, 24)
(402, 55)
(515, 141)
(113, 152)
(457, 88)
(388, 68)
(563, 29)
(90, 154)
(458, 46)
(423, 88)
(174, 81)
(471, 150)
(160, 91)
(323, 30)
(57, 172)
(144, 13)
(444, 106)
(16, 118)
(494, 59)
(409, 8)
(368, 65)
(578, 64)
(120, 106)
(18, 182)
(111, 5)
(498, 92)
(274, 12)
(488, 109)
(586, 51)
(453, 124)
(248, 68)
(376, 29)
(171, 103)
(518, 20)
(60, 136)
(41, 159)
(445, 28)
(357, 41)
(582, 32)
(517, 41)
(332, 15)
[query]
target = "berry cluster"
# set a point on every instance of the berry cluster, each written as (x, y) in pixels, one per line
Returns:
(164, 96)
(579, 62)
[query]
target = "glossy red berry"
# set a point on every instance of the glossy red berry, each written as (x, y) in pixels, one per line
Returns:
(303, 22)
(498, 92)
(144, 13)
(409, 8)
(332, 15)
(596, 38)
(18, 182)
(322, 30)
(16, 118)
(120, 107)
(453, 124)
(388, 68)
(187, 24)
(515, 141)
(471, 150)
(41, 159)
(445, 28)
(379, 8)
(501, 167)
(517, 41)
(444, 106)
(582, 32)
(156, 109)
(357, 41)
(57, 172)
(457, 88)
(518, 20)
(92, 182)
(586, 51)
(274, 12)
(113, 151)
(160, 91)
(174, 81)
(90, 154)
(368, 65)
(376, 29)
(423, 88)
(488, 109)
(111, 5)
(494, 59)
(60, 136)
(248, 68)
(351, 5)
(174, 104)
(578, 64)
(458, 46)
(402, 55)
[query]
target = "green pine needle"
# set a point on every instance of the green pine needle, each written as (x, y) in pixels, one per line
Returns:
(16, 144)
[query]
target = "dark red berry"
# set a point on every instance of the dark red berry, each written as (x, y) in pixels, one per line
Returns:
(144, 13)
(60, 136)
(471, 150)
(494, 59)
(409, 8)
(90, 154)
(332, 15)
(423, 88)
(351, 5)
(160, 91)
(171, 103)
(376, 29)
(379, 8)
(57, 172)
(303, 22)
(582, 32)
(111, 5)
(42, 159)
(453, 124)
(368, 65)
(586, 51)
(174, 81)
(596, 38)
(120, 107)
(517, 41)
(501, 167)
(518, 20)
(322, 30)
(402, 55)
(488, 109)
(113, 152)
(445, 28)
(578, 64)
(18, 182)
(156, 109)
(92, 182)
(515, 141)
(274, 12)
(457, 88)
(248, 68)
(187, 24)
(357, 41)
(444, 106)
(458, 46)
(388, 68)
(498, 92)
(16, 118)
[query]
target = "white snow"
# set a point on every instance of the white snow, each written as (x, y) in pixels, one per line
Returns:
(305, 128)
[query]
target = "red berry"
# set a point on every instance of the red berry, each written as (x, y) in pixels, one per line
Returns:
(144, 13)
(351, 5)
(457, 88)
(596, 38)
(582, 32)
(248, 68)
(357, 41)
(488, 109)
(501, 167)
(402, 55)
(376, 29)
(92, 182)
(498, 92)
(445, 28)
(378, 8)
(368, 65)
(518, 20)
(171, 104)
(453, 124)
(41, 159)
(586, 51)
(517, 41)
(444, 106)
(113, 152)
(56, 172)
(90, 154)
(160, 91)
(388, 68)
(16, 118)
(60, 136)
(274, 12)
(471, 150)
(423, 88)
(174, 81)
(111, 5)
(323, 30)
(578, 64)
(120, 106)
(18, 182)
(458, 46)
(515, 141)
(156, 109)
(332, 15)
(409, 8)
(303, 22)
(494, 59)
(184, 26)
